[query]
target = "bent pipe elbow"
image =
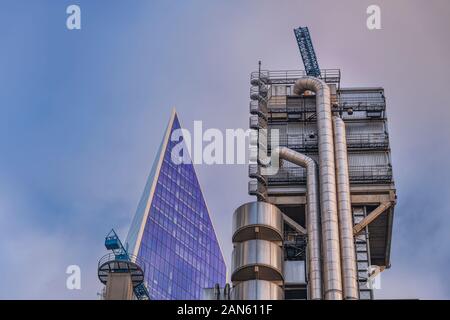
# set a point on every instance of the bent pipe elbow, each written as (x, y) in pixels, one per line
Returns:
(312, 217)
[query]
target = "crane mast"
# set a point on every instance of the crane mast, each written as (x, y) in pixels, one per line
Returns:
(121, 261)
(307, 51)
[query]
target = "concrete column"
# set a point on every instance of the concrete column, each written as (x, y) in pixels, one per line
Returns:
(119, 287)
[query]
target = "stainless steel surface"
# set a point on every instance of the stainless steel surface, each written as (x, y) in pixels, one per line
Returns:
(294, 272)
(348, 259)
(257, 220)
(327, 178)
(368, 157)
(257, 290)
(312, 218)
(257, 259)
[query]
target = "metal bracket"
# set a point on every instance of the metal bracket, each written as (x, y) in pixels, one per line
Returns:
(371, 217)
(294, 225)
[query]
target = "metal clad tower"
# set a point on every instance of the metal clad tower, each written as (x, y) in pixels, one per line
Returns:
(340, 135)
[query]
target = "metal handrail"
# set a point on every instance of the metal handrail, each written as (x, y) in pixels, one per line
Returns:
(359, 140)
(109, 257)
(290, 76)
(296, 175)
(352, 101)
(304, 108)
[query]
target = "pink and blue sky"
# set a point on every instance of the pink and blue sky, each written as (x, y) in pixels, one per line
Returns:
(83, 112)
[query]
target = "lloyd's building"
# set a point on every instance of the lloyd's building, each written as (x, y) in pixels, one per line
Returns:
(172, 233)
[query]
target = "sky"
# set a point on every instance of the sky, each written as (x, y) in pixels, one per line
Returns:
(84, 111)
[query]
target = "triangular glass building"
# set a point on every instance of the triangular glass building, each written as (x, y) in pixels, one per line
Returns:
(172, 231)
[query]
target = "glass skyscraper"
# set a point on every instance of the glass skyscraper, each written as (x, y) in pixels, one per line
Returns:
(172, 233)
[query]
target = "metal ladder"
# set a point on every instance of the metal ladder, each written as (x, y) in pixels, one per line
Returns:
(362, 248)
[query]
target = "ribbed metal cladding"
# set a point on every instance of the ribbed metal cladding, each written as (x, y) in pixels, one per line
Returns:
(312, 218)
(327, 178)
(257, 263)
(348, 258)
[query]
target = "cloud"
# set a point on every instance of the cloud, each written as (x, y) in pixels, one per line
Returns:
(35, 259)
(412, 281)
(85, 113)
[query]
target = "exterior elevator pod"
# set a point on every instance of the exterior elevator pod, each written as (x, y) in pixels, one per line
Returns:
(257, 290)
(257, 264)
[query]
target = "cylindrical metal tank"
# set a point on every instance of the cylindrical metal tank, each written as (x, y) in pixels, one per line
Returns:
(257, 259)
(257, 263)
(257, 290)
(257, 220)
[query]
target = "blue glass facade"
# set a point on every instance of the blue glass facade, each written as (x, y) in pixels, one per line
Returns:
(176, 241)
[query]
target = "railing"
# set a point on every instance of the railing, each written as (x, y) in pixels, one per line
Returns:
(291, 175)
(298, 142)
(358, 174)
(302, 107)
(299, 105)
(256, 107)
(305, 143)
(110, 257)
(368, 141)
(257, 93)
(372, 174)
(290, 76)
(125, 263)
(358, 103)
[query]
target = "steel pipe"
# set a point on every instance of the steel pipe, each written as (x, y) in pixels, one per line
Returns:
(312, 218)
(327, 177)
(348, 258)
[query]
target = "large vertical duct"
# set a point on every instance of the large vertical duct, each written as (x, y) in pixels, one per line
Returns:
(348, 259)
(312, 218)
(327, 177)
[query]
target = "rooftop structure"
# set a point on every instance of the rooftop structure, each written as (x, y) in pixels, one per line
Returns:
(359, 142)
